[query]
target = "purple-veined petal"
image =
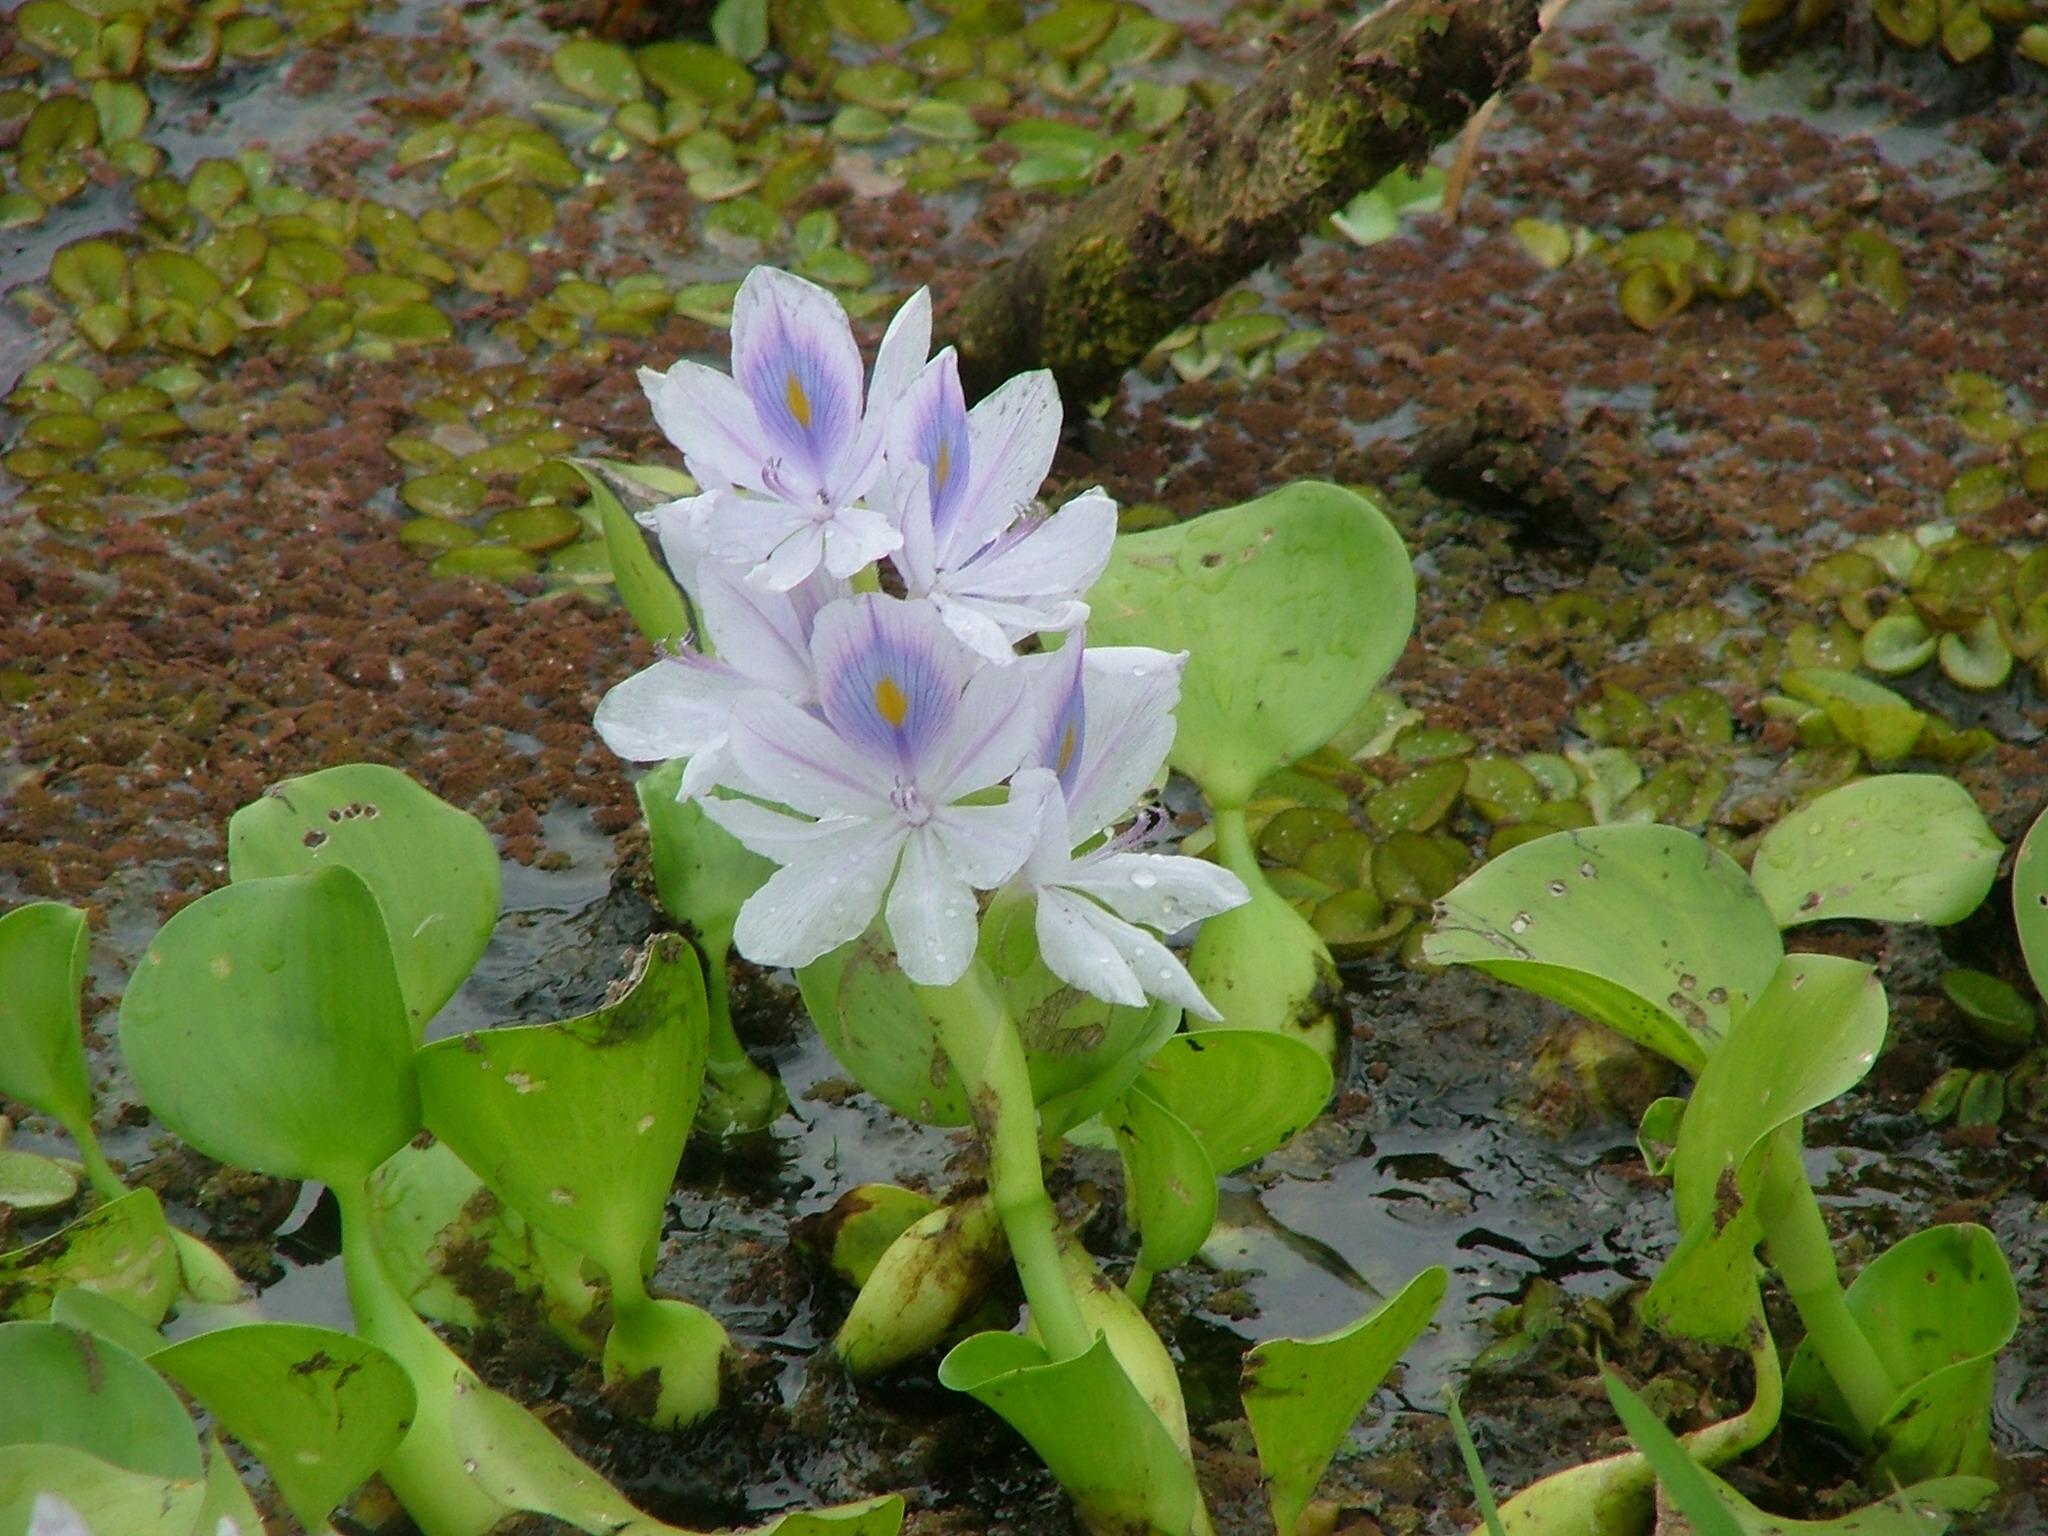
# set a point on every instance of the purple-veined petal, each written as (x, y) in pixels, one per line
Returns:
(1062, 707)
(1012, 436)
(794, 354)
(1166, 891)
(905, 345)
(817, 902)
(932, 915)
(1043, 563)
(1131, 692)
(1052, 847)
(789, 755)
(714, 423)
(890, 680)
(906, 500)
(990, 736)
(671, 709)
(930, 429)
(767, 635)
(857, 537)
(744, 530)
(987, 844)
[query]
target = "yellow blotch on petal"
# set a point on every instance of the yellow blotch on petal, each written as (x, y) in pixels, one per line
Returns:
(890, 703)
(799, 402)
(944, 468)
(1066, 749)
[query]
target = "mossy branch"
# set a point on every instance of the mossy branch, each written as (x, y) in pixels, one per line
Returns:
(1233, 189)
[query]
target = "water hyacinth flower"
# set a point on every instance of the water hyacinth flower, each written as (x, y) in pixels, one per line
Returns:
(963, 486)
(786, 447)
(1103, 740)
(910, 725)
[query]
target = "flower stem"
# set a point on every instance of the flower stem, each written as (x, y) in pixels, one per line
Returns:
(978, 1037)
(738, 1096)
(1796, 1239)
(1234, 844)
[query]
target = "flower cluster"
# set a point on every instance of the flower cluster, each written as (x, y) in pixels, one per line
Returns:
(897, 754)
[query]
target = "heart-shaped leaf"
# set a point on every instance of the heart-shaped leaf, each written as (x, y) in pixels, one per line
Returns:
(265, 1026)
(42, 1057)
(91, 1394)
(579, 1125)
(105, 1496)
(1900, 848)
(123, 1251)
(431, 867)
(1291, 607)
(2030, 901)
(702, 873)
(1303, 1395)
(322, 1410)
(1645, 929)
(1938, 1306)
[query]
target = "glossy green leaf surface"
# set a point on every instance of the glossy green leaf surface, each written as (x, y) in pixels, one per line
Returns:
(107, 1497)
(650, 594)
(1241, 1092)
(1169, 1182)
(265, 1026)
(1901, 848)
(2030, 901)
(122, 1250)
(1811, 1036)
(42, 1058)
(92, 1312)
(91, 1394)
(579, 1125)
(1645, 929)
(1303, 1395)
(1938, 1306)
(321, 1410)
(1291, 607)
(1088, 1424)
(432, 868)
(701, 871)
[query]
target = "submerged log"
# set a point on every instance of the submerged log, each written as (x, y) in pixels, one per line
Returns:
(1233, 189)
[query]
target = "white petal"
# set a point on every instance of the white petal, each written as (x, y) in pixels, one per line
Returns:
(765, 635)
(1129, 692)
(857, 538)
(905, 345)
(932, 914)
(794, 356)
(1059, 559)
(684, 530)
(791, 562)
(1013, 435)
(788, 755)
(971, 622)
(1076, 948)
(905, 498)
(51, 1516)
(1167, 891)
(988, 844)
(993, 732)
(671, 709)
(818, 902)
(712, 421)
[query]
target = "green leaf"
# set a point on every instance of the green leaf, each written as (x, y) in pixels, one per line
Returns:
(598, 70)
(265, 1026)
(432, 868)
(1938, 1306)
(225, 1496)
(865, 1221)
(1241, 1092)
(321, 1410)
(1475, 1472)
(1711, 1508)
(579, 1125)
(1810, 1037)
(106, 1496)
(2030, 901)
(1292, 607)
(42, 1057)
(740, 27)
(1170, 1185)
(702, 873)
(1884, 724)
(93, 1395)
(1096, 1431)
(1263, 967)
(650, 594)
(1303, 1395)
(92, 1312)
(1901, 848)
(123, 1251)
(32, 1183)
(1645, 929)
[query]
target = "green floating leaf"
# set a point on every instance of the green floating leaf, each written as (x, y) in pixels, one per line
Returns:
(1646, 929)
(1711, 1508)
(2030, 902)
(1095, 1430)
(740, 27)
(322, 1410)
(1938, 1306)
(864, 1221)
(598, 70)
(265, 1026)
(1810, 1037)
(650, 594)
(107, 1497)
(1292, 607)
(42, 1056)
(579, 1125)
(1241, 1092)
(1869, 715)
(432, 868)
(32, 1183)
(1900, 848)
(93, 1395)
(1303, 1395)
(123, 1251)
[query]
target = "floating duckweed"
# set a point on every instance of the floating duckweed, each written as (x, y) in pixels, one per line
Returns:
(1977, 490)
(697, 72)
(1976, 657)
(536, 529)
(1293, 831)
(443, 495)
(871, 21)
(1419, 801)
(597, 70)
(2000, 1016)
(497, 562)
(1897, 644)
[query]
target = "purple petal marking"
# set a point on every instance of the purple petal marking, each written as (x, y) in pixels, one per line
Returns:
(1131, 693)
(794, 354)
(889, 679)
(1066, 714)
(931, 429)
(712, 420)
(1014, 434)
(788, 755)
